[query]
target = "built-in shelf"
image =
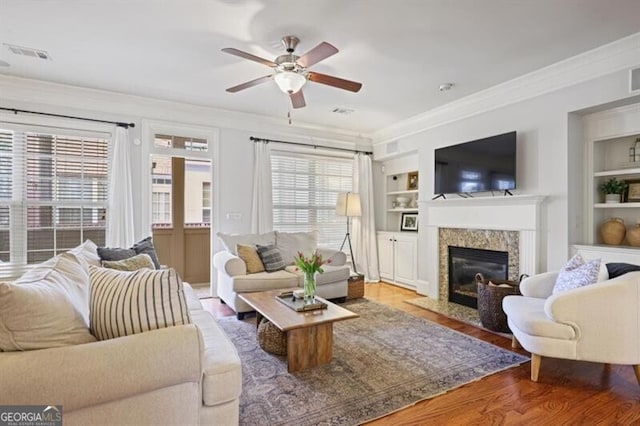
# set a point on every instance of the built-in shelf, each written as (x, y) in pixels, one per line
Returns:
(618, 172)
(616, 205)
(408, 209)
(410, 191)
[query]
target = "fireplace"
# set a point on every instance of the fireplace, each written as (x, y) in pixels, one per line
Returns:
(465, 263)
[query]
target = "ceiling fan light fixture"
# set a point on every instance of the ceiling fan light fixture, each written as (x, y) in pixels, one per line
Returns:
(290, 82)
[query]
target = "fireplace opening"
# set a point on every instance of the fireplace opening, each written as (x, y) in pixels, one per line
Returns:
(465, 263)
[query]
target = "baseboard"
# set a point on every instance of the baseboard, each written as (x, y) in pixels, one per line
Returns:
(405, 286)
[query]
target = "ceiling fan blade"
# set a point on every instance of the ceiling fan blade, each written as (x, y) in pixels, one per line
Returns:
(297, 99)
(249, 56)
(318, 53)
(251, 83)
(329, 80)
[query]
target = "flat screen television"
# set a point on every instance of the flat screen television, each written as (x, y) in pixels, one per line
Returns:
(487, 164)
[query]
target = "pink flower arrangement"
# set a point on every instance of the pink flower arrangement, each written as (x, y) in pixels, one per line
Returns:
(310, 265)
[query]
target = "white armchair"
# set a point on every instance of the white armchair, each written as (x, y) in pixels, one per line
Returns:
(598, 322)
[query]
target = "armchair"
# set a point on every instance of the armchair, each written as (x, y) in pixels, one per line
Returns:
(598, 322)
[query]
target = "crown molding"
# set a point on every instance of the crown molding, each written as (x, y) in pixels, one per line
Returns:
(24, 93)
(618, 55)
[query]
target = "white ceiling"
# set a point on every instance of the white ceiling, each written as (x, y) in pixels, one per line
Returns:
(400, 50)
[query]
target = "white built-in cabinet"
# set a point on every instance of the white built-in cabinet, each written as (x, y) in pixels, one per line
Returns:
(611, 159)
(397, 196)
(401, 197)
(398, 257)
(609, 136)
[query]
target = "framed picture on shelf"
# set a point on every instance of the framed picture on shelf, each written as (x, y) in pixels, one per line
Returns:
(409, 222)
(633, 191)
(412, 181)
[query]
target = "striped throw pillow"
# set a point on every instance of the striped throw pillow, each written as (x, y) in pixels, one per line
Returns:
(271, 258)
(124, 303)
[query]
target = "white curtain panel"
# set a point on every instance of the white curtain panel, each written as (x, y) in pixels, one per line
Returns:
(262, 203)
(120, 228)
(364, 227)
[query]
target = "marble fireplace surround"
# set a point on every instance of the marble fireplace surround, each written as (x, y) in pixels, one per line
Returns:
(487, 239)
(510, 224)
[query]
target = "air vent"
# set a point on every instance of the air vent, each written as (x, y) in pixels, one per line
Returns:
(634, 80)
(28, 51)
(344, 111)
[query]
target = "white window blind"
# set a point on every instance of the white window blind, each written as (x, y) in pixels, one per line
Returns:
(305, 190)
(53, 188)
(6, 193)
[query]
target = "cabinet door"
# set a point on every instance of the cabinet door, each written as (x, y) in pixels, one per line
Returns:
(385, 256)
(406, 259)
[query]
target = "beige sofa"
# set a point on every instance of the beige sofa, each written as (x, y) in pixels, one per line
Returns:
(234, 280)
(187, 375)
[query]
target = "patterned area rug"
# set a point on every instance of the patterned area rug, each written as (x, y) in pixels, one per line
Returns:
(382, 362)
(452, 310)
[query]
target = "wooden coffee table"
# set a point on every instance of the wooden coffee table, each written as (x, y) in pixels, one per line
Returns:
(309, 334)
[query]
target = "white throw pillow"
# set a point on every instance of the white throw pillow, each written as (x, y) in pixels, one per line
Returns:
(88, 251)
(290, 243)
(576, 273)
(47, 307)
(230, 241)
(125, 303)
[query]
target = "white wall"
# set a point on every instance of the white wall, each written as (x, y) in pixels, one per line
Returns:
(544, 152)
(233, 167)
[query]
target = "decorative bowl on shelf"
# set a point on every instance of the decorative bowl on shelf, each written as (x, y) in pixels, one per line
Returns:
(403, 202)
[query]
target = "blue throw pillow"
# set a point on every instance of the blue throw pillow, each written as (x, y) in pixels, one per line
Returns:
(271, 257)
(617, 269)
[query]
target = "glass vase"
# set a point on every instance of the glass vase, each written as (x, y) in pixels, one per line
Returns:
(309, 287)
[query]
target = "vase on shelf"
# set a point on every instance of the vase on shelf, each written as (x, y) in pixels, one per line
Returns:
(633, 235)
(309, 287)
(613, 231)
(402, 202)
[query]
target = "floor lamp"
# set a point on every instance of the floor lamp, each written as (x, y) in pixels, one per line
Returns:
(348, 205)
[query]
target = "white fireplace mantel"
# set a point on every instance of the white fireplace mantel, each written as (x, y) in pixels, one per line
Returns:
(511, 213)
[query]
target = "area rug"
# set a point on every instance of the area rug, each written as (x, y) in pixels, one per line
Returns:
(382, 362)
(451, 310)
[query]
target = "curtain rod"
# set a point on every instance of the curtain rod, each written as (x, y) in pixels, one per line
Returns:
(254, 139)
(117, 123)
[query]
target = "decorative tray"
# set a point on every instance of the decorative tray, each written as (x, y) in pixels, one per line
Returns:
(298, 305)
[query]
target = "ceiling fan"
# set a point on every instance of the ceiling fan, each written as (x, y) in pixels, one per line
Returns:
(290, 71)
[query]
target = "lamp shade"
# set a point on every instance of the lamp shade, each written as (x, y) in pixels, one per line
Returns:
(348, 204)
(290, 82)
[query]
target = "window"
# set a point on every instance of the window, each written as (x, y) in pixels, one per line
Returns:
(206, 202)
(161, 207)
(53, 192)
(197, 202)
(181, 142)
(161, 192)
(305, 190)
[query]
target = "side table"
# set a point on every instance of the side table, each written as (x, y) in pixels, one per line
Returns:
(356, 286)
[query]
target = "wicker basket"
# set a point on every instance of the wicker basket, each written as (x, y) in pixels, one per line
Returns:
(271, 339)
(490, 301)
(355, 287)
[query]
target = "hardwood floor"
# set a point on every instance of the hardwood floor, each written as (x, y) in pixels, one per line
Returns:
(568, 392)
